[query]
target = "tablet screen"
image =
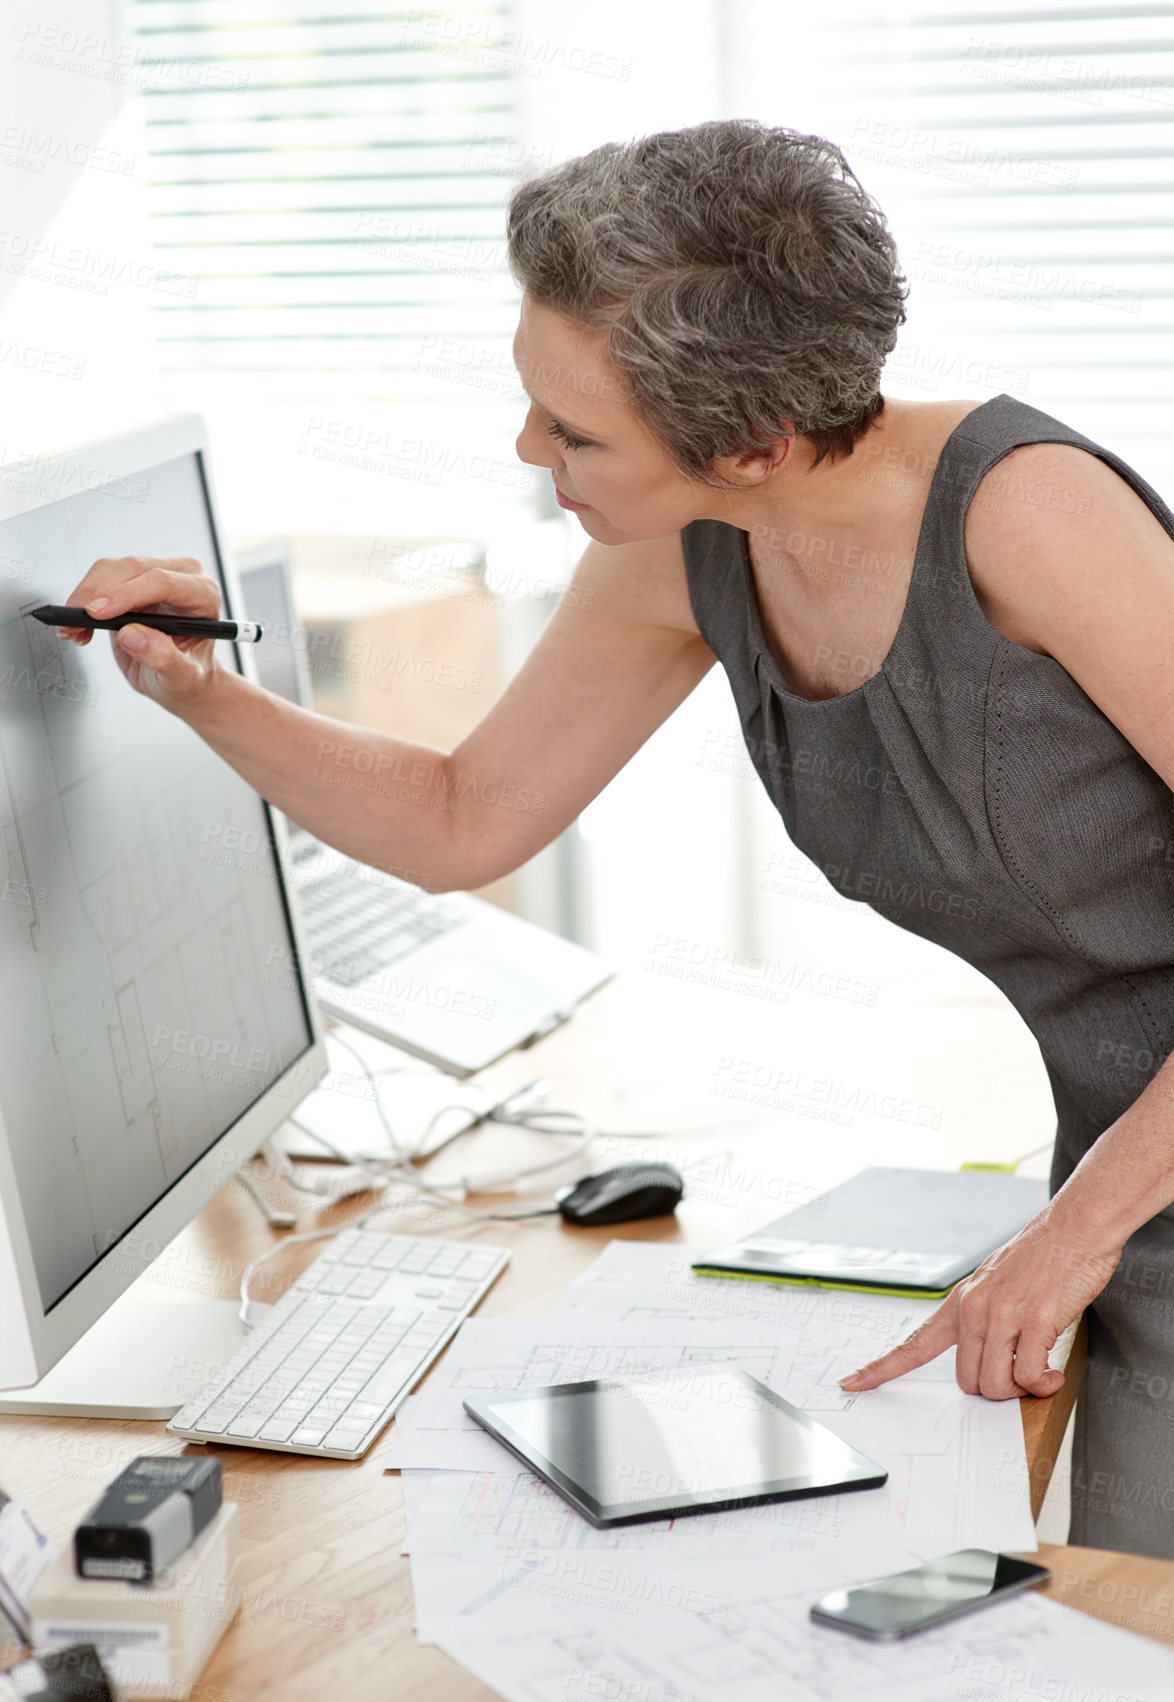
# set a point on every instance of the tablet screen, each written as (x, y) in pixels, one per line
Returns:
(686, 1441)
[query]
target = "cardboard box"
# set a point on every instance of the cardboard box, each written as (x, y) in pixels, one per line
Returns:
(154, 1639)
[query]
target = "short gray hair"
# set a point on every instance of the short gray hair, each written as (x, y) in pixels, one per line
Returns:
(741, 275)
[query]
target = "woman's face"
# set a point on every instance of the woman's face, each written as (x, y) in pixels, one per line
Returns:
(607, 466)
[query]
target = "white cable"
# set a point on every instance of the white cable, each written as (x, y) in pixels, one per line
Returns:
(254, 1265)
(469, 1184)
(392, 1139)
(377, 1180)
(384, 1174)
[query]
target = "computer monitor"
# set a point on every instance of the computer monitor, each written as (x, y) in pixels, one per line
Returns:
(283, 655)
(154, 1025)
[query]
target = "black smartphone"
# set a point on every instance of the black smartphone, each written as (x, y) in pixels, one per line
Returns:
(943, 1589)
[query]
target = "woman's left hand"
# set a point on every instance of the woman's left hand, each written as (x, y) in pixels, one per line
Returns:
(1006, 1317)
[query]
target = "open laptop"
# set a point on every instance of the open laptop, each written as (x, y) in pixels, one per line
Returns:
(446, 977)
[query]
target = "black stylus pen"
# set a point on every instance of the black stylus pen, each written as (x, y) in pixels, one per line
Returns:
(176, 626)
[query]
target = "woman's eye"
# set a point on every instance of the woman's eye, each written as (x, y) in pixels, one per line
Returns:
(565, 437)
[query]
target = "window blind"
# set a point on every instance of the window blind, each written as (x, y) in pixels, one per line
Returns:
(327, 183)
(1025, 158)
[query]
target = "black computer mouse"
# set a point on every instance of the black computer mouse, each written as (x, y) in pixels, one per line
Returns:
(622, 1194)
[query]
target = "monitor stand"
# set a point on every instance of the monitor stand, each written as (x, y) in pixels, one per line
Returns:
(143, 1359)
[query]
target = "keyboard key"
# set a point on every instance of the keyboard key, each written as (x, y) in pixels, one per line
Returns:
(390, 1379)
(346, 1435)
(277, 1430)
(245, 1429)
(364, 1411)
(309, 1435)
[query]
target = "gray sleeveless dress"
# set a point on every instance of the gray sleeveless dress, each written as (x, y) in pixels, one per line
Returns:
(973, 793)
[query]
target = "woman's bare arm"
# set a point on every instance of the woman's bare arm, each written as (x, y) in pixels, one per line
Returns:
(618, 655)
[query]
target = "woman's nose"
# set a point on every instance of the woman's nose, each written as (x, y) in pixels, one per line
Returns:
(534, 445)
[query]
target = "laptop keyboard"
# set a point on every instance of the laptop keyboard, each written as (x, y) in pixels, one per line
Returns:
(357, 926)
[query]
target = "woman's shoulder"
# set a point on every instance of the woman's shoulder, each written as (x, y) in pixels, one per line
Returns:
(1044, 525)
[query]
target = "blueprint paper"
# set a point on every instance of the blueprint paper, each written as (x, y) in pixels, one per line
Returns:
(635, 1280)
(514, 1353)
(975, 1494)
(697, 1633)
(516, 1516)
(957, 1465)
(469, 1595)
(646, 1280)
(520, 1589)
(800, 1361)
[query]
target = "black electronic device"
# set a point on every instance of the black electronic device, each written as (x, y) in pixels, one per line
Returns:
(620, 1195)
(151, 1512)
(697, 1439)
(904, 1602)
(74, 1674)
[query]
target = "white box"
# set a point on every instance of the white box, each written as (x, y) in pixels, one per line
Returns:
(153, 1639)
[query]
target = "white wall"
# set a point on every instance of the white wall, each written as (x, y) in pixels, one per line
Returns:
(78, 273)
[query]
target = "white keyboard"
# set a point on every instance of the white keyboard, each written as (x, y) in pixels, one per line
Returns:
(334, 1358)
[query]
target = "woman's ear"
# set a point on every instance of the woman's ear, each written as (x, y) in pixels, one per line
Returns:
(750, 467)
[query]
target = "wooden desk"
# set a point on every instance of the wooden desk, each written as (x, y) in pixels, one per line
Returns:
(327, 1602)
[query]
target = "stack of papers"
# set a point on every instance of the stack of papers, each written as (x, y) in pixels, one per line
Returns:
(544, 1607)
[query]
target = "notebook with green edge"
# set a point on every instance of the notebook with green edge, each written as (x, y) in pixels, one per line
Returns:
(887, 1231)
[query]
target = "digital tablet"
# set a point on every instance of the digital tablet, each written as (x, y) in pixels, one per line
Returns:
(695, 1440)
(888, 1230)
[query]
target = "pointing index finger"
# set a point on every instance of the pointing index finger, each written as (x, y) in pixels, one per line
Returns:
(933, 1337)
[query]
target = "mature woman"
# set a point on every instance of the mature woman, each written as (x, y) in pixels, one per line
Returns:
(973, 600)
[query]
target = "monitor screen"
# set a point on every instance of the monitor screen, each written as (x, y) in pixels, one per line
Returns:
(146, 993)
(280, 664)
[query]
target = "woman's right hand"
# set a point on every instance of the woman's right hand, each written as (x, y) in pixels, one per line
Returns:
(175, 672)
